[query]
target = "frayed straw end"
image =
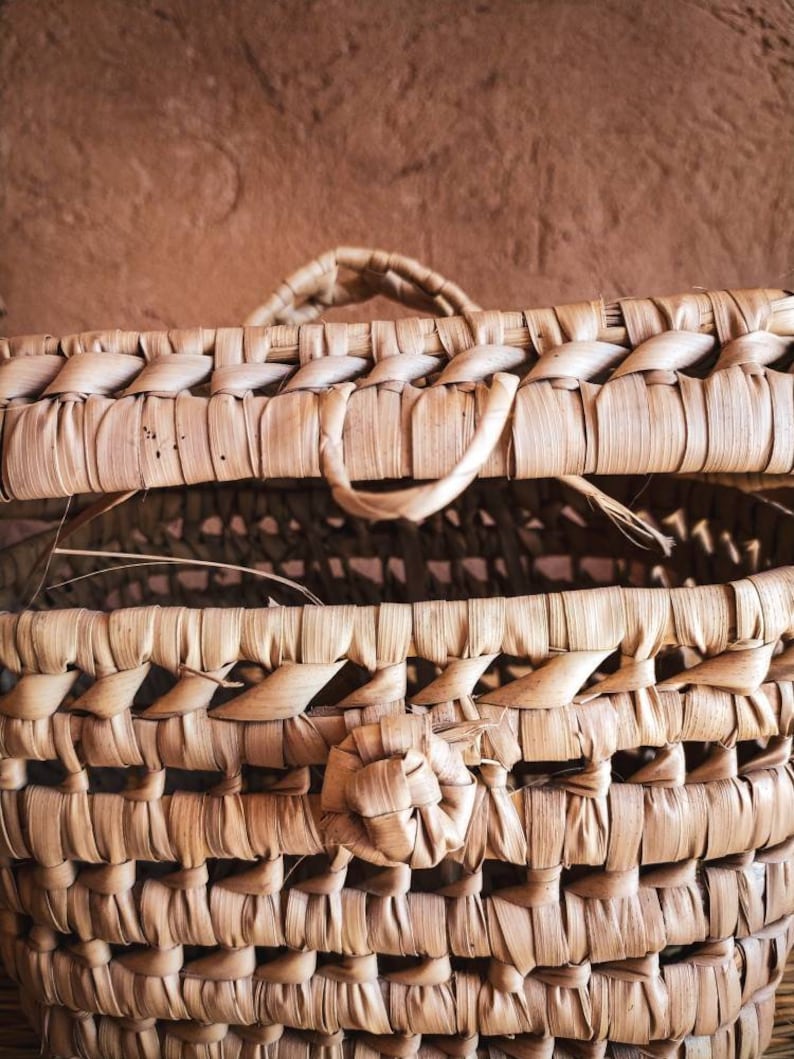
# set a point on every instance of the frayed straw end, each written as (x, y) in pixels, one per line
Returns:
(463, 733)
(636, 529)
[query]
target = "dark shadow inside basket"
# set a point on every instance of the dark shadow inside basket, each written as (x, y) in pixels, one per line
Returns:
(498, 539)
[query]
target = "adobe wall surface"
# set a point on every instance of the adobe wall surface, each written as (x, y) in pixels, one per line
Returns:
(165, 163)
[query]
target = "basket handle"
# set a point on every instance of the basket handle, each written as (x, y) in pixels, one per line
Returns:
(307, 293)
(420, 501)
(317, 287)
(416, 502)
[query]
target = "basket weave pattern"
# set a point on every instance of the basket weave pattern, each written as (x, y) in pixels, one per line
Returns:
(121, 411)
(569, 954)
(523, 826)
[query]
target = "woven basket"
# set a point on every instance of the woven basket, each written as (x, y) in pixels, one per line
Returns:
(521, 785)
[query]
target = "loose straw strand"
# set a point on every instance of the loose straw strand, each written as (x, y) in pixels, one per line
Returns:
(152, 560)
(633, 527)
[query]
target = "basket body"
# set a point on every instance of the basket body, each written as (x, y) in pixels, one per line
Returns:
(506, 824)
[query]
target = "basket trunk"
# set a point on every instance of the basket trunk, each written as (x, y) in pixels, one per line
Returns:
(519, 787)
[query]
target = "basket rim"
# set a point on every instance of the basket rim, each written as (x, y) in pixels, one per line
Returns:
(616, 318)
(693, 383)
(744, 618)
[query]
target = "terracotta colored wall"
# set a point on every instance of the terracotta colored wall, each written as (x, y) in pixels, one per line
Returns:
(167, 161)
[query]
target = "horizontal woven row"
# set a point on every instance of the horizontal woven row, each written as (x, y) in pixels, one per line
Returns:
(70, 1035)
(745, 618)
(537, 918)
(730, 422)
(724, 315)
(597, 729)
(116, 412)
(541, 826)
(632, 1002)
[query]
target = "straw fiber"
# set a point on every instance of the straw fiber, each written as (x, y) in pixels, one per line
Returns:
(520, 787)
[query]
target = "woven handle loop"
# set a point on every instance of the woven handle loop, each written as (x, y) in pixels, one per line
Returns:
(317, 287)
(420, 501)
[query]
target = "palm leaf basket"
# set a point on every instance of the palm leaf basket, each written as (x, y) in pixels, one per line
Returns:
(431, 745)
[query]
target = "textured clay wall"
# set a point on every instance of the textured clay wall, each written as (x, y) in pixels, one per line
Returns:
(167, 162)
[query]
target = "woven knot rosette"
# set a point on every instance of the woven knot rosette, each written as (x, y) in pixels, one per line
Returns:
(434, 694)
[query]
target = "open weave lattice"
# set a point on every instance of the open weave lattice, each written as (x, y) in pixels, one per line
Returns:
(511, 824)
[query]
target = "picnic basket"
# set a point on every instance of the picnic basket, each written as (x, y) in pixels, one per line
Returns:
(319, 763)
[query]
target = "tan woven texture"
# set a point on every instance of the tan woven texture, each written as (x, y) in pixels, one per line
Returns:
(630, 387)
(474, 805)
